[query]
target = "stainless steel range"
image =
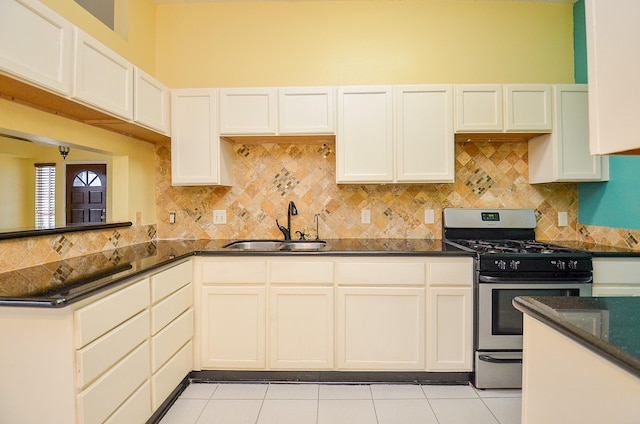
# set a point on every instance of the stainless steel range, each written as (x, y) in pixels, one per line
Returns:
(510, 263)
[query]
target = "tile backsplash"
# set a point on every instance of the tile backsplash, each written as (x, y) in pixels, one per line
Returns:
(267, 176)
(26, 252)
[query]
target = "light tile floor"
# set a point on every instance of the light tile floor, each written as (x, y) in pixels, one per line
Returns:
(284, 403)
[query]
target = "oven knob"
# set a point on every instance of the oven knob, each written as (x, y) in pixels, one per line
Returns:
(501, 264)
(514, 265)
(573, 264)
(561, 265)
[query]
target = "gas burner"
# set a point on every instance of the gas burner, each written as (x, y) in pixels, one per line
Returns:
(513, 246)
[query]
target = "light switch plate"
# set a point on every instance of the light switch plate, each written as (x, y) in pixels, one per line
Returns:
(172, 217)
(365, 216)
(219, 216)
(429, 216)
(563, 219)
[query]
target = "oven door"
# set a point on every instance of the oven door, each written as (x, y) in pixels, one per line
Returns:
(499, 323)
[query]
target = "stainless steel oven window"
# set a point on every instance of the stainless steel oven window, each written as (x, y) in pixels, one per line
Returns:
(499, 323)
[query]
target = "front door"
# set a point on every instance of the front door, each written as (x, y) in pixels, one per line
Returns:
(86, 198)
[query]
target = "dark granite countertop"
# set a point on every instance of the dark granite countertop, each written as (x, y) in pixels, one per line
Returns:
(608, 326)
(57, 284)
(599, 250)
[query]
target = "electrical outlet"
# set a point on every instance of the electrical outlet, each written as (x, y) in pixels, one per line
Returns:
(220, 216)
(429, 216)
(365, 216)
(563, 219)
(172, 217)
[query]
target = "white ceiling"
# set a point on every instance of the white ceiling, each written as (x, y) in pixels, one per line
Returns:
(231, 1)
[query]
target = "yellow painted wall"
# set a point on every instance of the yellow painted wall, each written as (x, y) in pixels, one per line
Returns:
(139, 45)
(135, 157)
(17, 192)
(363, 42)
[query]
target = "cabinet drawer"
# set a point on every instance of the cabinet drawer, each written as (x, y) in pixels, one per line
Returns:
(137, 409)
(167, 310)
(169, 376)
(301, 272)
(97, 357)
(369, 272)
(166, 282)
(234, 272)
(101, 316)
(170, 339)
(105, 395)
(450, 271)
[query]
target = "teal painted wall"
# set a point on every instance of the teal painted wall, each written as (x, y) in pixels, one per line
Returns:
(615, 203)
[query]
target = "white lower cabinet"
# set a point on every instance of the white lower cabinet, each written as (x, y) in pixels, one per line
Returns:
(616, 276)
(103, 363)
(233, 327)
(450, 314)
(301, 328)
(380, 328)
(335, 313)
(450, 336)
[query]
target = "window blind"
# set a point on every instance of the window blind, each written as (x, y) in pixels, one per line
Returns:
(45, 195)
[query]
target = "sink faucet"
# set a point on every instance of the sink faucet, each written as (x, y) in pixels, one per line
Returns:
(290, 211)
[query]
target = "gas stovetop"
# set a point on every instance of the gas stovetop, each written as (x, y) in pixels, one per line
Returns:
(513, 246)
(505, 242)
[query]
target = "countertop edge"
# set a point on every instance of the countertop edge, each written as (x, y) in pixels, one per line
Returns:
(62, 302)
(607, 351)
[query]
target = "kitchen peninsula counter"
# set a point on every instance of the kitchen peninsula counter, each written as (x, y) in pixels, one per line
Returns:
(60, 283)
(581, 359)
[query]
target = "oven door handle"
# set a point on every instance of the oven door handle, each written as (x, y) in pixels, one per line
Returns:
(492, 279)
(488, 358)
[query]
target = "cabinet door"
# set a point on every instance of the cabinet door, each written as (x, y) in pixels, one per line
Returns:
(301, 328)
(364, 143)
(612, 33)
(102, 78)
(198, 156)
(233, 327)
(306, 110)
(528, 108)
(449, 333)
(564, 155)
(151, 105)
(380, 328)
(35, 45)
(479, 108)
(248, 111)
(572, 114)
(424, 134)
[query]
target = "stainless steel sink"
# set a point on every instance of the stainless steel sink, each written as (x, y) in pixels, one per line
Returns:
(255, 244)
(276, 245)
(303, 244)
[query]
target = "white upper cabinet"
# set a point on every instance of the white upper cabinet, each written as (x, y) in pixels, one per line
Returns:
(364, 143)
(151, 102)
(564, 156)
(277, 111)
(35, 45)
(306, 110)
(613, 66)
(248, 111)
(101, 77)
(479, 108)
(198, 156)
(528, 108)
(493, 108)
(425, 150)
